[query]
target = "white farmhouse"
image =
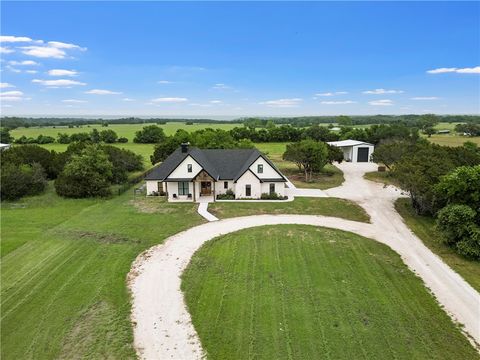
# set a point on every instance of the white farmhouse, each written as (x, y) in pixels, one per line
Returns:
(354, 150)
(190, 173)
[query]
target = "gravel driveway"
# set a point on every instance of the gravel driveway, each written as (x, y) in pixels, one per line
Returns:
(162, 324)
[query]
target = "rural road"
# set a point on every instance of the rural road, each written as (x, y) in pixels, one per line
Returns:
(162, 324)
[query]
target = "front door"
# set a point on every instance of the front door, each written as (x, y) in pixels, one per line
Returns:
(205, 188)
(362, 155)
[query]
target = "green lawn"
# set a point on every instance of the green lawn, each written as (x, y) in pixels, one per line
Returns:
(424, 228)
(301, 292)
(63, 270)
(453, 140)
(122, 130)
(301, 205)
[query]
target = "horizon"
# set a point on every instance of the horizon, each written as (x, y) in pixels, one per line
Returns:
(234, 60)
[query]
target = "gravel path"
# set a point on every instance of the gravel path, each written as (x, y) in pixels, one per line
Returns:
(162, 326)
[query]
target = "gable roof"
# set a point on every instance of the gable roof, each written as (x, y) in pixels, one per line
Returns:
(220, 164)
(348, 142)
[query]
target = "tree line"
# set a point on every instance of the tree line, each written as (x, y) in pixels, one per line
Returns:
(443, 182)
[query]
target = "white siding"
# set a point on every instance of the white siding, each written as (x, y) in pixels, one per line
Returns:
(219, 188)
(153, 186)
(268, 171)
(279, 188)
(248, 179)
(355, 152)
(181, 172)
(347, 153)
(172, 188)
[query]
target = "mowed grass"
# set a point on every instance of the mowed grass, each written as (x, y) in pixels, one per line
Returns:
(424, 228)
(63, 272)
(453, 140)
(301, 292)
(301, 205)
(122, 130)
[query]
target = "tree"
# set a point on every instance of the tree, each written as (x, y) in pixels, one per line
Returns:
(164, 149)
(389, 153)
(460, 229)
(5, 137)
(86, 175)
(31, 154)
(429, 130)
(320, 133)
(63, 138)
(122, 140)
(309, 155)
(45, 139)
(18, 180)
(123, 161)
(343, 120)
(108, 136)
(428, 121)
(335, 154)
(461, 186)
(95, 136)
(150, 134)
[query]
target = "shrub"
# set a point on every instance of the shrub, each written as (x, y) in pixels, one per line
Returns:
(122, 140)
(30, 154)
(123, 161)
(5, 137)
(45, 139)
(63, 138)
(457, 223)
(86, 175)
(108, 136)
(19, 180)
(229, 195)
(272, 196)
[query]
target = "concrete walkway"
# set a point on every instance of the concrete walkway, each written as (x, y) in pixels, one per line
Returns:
(162, 327)
(203, 211)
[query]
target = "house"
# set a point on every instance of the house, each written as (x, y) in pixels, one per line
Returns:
(355, 151)
(193, 174)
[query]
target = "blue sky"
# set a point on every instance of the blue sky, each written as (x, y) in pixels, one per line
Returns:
(236, 59)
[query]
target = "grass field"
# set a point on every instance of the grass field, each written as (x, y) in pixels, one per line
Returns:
(122, 130)
(301, 205)
(63, 269)
(453, 140)
(301, 292)
(424, 228)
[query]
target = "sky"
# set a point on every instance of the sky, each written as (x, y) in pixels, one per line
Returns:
(228, 59)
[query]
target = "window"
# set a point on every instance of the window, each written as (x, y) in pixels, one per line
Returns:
(225, 184)
(189, 167)
(183, 188)
(248, 190)
(272, 188)
(260, 168)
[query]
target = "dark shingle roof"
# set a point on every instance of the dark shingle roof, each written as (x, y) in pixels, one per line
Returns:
(221, 164)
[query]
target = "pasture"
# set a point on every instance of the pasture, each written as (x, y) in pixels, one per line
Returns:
(122, 130)
(295, 292)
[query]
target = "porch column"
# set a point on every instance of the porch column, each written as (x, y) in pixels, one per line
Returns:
(193, 190)
(214, 196)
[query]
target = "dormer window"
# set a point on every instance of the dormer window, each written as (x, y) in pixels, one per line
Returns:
(260, 168)
(189, 168)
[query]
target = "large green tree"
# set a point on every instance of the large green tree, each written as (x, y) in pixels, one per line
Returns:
(309, 155)
(150, 134)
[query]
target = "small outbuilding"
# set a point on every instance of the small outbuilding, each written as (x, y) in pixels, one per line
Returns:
(354, 150)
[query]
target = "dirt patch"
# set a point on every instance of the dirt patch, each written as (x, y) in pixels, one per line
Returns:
(104, 238)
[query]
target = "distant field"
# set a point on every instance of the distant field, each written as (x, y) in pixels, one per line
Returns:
(453, 140)
(122, 130)
(303, 292)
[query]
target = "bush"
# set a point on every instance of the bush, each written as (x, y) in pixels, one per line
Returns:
(461, 186)
(5, 137)
(19, 180)
(123, 161)
(108, 136)
(86, 175)
(122, 140)
(457, 223)
(44, 139)
(272, 196)
(150, 134)
(63, 138)
(30, 154)
(229, 195)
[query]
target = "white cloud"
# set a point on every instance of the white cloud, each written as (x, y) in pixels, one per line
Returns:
(164, 82)
(44, 52)
(169, 100)
(332, 93)
(12, 69)
(474, 70)
(31, 71)
(61, 72)
(424, 98)
(221, 87)
(5, 85)
(102, 92)
(62, 45)
(215, 101)
(385, 102)
(23, 63)
(57, 83)
(5, 50)
(382, 91)
(14, 39)
(10, 96)
(73, 101)
(345, 102)
(128, 99)
(283, 103)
